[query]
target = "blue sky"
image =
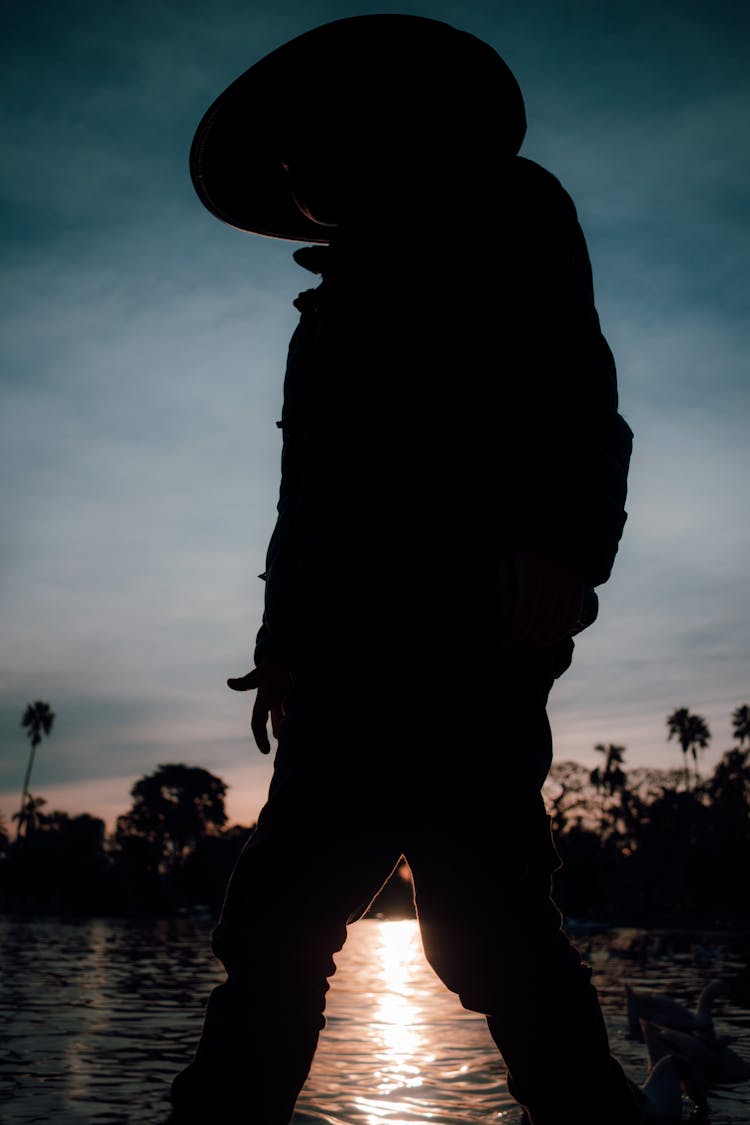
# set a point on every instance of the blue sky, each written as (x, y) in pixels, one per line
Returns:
(143, 346)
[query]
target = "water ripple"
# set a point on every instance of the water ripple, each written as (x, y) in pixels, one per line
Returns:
(100, 1014)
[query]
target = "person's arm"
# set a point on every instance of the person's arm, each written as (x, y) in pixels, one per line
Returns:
(571, 451)
(547, 599)
(270, 676)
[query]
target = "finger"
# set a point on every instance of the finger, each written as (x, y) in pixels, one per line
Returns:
(547, 627)
(548, 605)
(244, 683)
(277, 714)
(258, 725)
(563, 612)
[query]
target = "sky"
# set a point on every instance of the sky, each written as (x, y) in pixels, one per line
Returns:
(143, 346)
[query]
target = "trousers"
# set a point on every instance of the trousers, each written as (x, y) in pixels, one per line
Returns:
(449, 779)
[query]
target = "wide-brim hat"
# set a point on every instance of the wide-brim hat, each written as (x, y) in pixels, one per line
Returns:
(235, 157)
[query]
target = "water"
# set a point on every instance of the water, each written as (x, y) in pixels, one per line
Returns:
(100, 1014)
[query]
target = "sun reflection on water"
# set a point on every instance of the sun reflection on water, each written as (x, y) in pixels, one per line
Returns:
(397, 1019)
(101, 1014)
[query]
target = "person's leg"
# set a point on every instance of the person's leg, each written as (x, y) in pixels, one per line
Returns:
(482, 857)
(316, 860)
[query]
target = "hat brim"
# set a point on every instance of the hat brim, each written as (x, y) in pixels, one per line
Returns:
(237, 173)
(235, 156)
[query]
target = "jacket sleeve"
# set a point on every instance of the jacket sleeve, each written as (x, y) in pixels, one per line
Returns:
(270, 641)
(280, 601)
(572, 447)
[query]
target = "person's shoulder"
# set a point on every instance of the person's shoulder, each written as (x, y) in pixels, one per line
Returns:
(533, 173)
(540, 188)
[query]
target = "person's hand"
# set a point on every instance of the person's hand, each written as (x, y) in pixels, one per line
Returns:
(547, 601)
(272, 682)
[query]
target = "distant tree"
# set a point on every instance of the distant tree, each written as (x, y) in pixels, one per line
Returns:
(395, 899)
(38, 719)
(611, 777)
(741, 723)
(567, 795)
(30, 816)
(650, 783)
(202, 878)
(173, 809)
(728, 845)
(675, 864)
(61, 865)
(644, 786)
(692, 733)
(729, 788)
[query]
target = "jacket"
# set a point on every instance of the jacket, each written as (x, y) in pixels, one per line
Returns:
(445, 401)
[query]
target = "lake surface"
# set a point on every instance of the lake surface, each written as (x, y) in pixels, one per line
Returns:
(100, 1014)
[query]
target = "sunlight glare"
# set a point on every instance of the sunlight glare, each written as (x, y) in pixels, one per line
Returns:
(397, 1018)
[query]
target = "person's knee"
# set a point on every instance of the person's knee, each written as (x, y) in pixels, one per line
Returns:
(493, 962)
(468, 962)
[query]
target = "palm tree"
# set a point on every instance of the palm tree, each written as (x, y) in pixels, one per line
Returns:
(31, 815)
(692, 733)
(741, 723)
(611, 777)
(38, 719)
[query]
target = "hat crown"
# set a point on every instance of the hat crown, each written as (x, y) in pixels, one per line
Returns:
(386, 57)
(411, 73)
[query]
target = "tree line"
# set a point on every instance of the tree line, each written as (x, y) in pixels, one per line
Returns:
(642, 847)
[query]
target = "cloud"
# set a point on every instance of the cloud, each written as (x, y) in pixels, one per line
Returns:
(144, 352)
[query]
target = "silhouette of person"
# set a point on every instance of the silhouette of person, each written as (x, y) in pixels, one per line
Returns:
(453, 482)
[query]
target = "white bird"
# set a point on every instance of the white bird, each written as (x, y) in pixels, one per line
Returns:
(722, 1065)
(660, 1096)
(694, 1081)
(663, 1010)
(702, 1065)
